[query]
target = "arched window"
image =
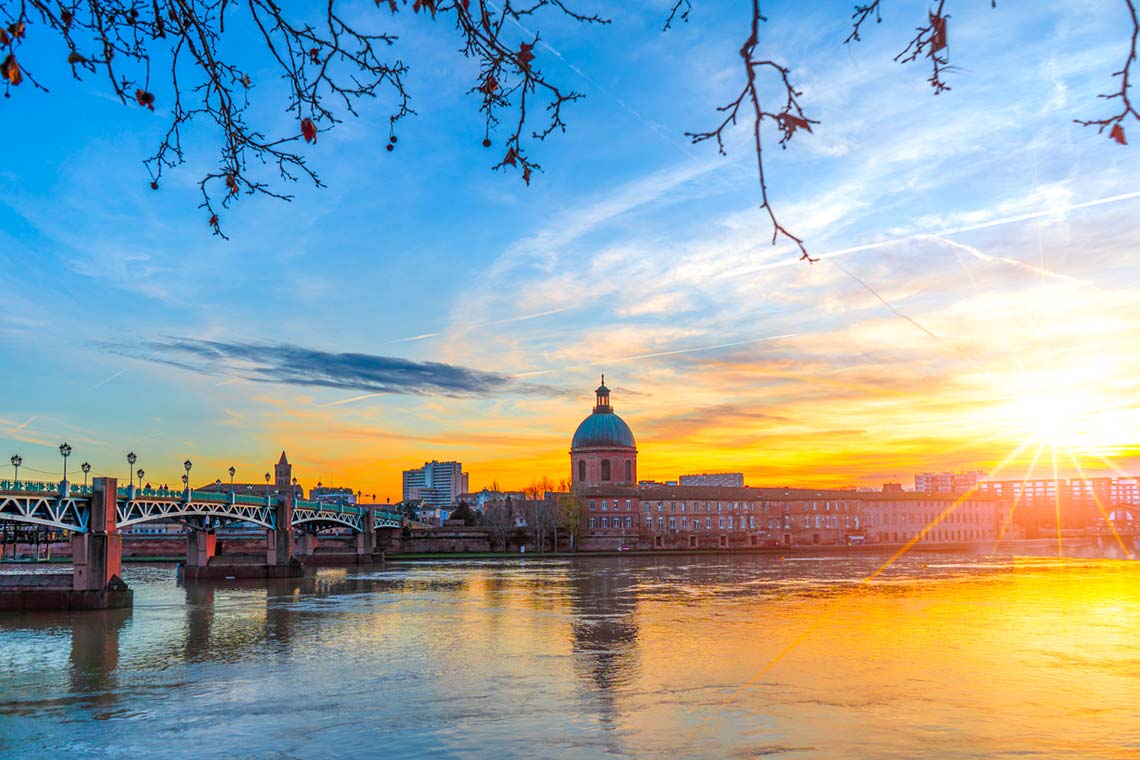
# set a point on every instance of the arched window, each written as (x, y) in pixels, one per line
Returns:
(628, 471)
(581, 469)
(605, 469)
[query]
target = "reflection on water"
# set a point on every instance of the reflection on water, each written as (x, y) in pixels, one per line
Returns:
(941, 655)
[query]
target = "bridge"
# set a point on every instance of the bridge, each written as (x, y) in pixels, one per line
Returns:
(95, 516)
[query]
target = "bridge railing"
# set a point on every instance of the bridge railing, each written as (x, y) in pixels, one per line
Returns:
(39, 486)
(340, 509)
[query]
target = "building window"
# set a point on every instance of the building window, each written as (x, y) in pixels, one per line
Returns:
(593, 522)
(649, 523)
(660, 506)
(629, 522)
(660, 523)
(684, 523)
(591, 505)
(628, 505)
(605, 522)
(708, 523)
(581, 469)
(672, 523)
(629, 471)
(646, 505)
(605, 469)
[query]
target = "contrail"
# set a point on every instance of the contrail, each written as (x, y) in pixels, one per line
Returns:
(415, 337)
(477, 325)
(952, 231)
(523, 318)
(699, 348)
(1012, 262)
(109, 379)
(350, 400)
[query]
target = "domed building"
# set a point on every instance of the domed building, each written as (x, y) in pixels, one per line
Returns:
(603, 450)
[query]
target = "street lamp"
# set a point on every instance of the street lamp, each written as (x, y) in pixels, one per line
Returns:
(140, 473)
(218, 485)
(17, 460)
(65, 452)
(233, 471)
(187, 464)
(131, 459)
(86, 467)
(267, 484)
(186, 482)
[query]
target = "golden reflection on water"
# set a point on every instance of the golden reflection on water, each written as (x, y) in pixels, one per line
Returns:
(939, 656)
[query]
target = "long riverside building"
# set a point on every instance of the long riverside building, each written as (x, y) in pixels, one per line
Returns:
(617, 512)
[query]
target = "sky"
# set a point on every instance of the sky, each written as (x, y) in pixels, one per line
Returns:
(974, 306)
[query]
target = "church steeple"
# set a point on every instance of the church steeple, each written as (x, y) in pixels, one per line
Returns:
(602, 396)
(283, 473)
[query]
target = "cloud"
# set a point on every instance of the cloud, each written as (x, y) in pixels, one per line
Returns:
(297, 365)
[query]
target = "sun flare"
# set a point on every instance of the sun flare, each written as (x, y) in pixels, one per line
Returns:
(1071, 410)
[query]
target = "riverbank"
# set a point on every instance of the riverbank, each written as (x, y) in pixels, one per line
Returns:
(1027, 547)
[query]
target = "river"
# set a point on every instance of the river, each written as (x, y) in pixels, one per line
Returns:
(709, 656)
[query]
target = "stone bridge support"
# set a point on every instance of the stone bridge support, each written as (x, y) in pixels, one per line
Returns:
(306, 543)
(201, 546)
(279, 559)
(98, 554)
(366, 539)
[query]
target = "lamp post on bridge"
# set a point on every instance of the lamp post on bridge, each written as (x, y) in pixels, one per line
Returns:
(131, 459)
(140, 473)
(186, 478)
(17, 460)
(86, 467)
(65, 452)
(233, 471)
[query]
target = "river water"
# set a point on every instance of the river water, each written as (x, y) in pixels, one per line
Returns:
(712, 656)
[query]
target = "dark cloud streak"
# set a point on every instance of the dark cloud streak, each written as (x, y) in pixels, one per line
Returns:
(296, 365)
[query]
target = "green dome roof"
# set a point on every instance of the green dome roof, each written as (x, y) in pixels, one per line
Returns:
(603, 429)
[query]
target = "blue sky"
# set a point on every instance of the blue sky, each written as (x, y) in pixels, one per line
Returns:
(1004, 230)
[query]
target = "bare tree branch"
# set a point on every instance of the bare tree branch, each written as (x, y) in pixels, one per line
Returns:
(328, 64)
(1115, 123)
(788, 119)
(681, 10)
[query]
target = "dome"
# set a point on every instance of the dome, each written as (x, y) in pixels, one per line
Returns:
(603, 429)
